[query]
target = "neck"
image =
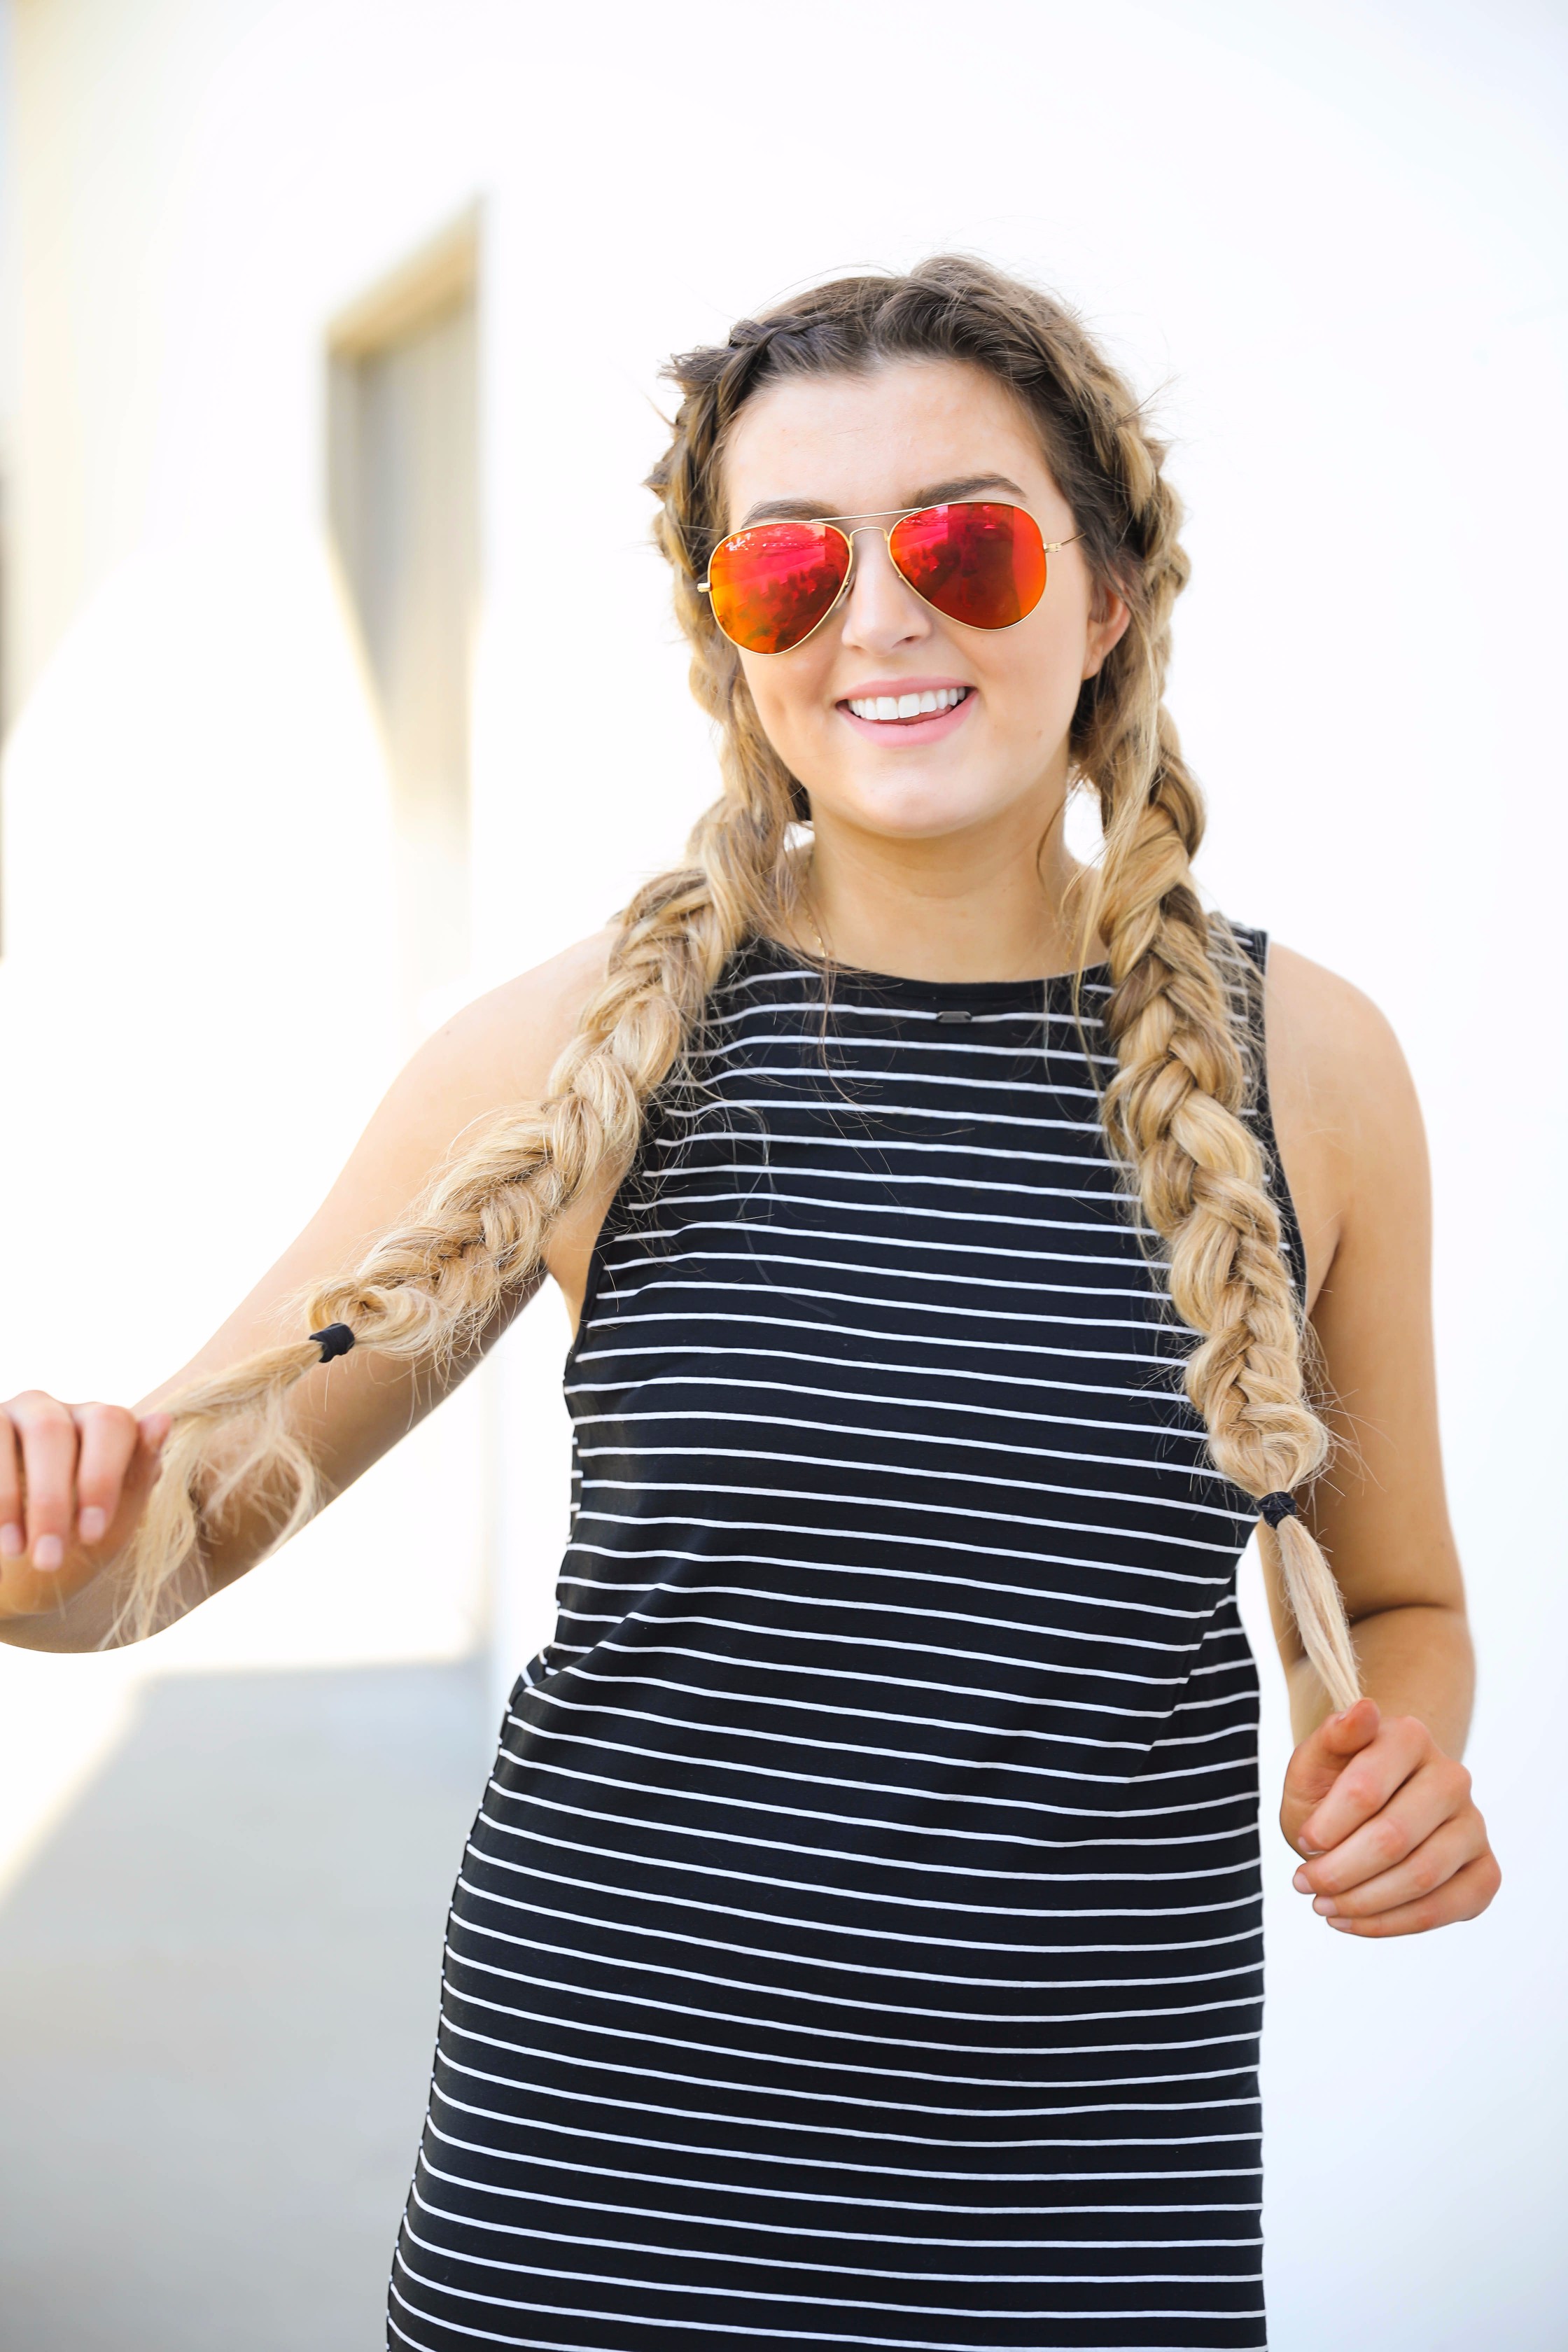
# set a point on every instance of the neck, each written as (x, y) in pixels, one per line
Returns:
(989, 903)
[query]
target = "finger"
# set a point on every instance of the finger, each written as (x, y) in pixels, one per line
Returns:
(108, 1437)
(1426, 1867)
(151, 1432)
(12, 1534)
(1366, 1784)
(1465, 1897)
(49, 1467)
(1433, 1795)
(1322, 1755)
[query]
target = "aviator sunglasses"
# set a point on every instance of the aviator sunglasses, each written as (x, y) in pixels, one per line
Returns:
(973, 560)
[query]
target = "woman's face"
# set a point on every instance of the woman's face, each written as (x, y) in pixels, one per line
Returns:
(911, 434)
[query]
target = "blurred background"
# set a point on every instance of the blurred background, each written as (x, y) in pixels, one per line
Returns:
(339, 684)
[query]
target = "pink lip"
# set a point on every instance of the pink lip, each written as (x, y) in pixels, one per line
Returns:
(928, 729)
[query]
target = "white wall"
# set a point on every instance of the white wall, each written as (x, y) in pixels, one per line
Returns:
(1328, 236)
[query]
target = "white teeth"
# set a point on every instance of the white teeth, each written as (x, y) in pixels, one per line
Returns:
(907, 706)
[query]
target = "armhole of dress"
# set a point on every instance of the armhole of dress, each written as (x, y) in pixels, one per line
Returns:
(590, 1288)
(1253, 945)
(612, 1229)
(615, 1223)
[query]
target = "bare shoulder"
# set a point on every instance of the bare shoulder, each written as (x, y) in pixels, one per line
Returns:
(498, 1051)
(1328, 1041)
(504, 1044)
(1344, 1105)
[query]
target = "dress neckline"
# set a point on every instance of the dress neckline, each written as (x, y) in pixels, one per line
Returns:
(970, 995)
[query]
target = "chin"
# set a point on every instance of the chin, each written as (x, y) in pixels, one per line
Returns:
(909, 809)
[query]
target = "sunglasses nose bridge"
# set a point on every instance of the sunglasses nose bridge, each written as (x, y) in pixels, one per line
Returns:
(853, 575)
(851, 535)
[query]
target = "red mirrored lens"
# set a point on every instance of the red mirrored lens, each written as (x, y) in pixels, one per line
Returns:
(983, 565)
(770, 585)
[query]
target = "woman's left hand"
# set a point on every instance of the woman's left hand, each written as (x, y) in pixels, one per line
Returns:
(1393, 1840)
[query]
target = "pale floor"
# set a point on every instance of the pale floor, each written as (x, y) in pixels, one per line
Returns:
(218, 1983)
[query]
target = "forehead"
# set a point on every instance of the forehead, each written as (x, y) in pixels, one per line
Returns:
(869, 443)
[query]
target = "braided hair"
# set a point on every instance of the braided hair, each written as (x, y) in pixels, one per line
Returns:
(1175, 1111)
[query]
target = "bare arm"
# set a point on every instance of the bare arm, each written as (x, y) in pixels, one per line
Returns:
(1379, 1794)
(1354, 1150)
(61, 1464)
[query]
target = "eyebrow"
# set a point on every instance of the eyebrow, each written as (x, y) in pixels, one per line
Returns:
(934, 494)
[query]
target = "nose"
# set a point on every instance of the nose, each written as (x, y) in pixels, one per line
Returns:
(881, 612)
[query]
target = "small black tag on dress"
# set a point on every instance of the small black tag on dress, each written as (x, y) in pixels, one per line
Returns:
(956, 1012)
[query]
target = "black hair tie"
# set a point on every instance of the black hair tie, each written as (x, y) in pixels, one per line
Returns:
(1277, 1506)
(335, 1340)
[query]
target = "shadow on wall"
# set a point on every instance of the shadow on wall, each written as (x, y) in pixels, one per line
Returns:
(220, 1980)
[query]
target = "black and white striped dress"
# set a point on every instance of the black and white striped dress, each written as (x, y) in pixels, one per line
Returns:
(860, 1942)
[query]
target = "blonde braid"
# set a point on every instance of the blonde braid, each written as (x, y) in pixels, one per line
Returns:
(425, 1293)
(1174, 1112)
(429, 1292)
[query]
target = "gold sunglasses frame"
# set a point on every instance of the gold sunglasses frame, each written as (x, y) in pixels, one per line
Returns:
(892, 517)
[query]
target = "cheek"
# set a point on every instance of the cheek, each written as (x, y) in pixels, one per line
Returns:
(789, 706)
(1038, 680)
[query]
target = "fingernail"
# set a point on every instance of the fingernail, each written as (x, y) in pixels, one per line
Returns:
(1325, 1906)
(1301, 1882)
(13, 1542)
(92, 1524)
(49, 1552)
(1311, 1851)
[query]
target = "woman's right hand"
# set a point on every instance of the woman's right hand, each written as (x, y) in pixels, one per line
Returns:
(74, 1481)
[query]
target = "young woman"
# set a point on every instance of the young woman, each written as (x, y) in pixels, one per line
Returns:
(859, 1939)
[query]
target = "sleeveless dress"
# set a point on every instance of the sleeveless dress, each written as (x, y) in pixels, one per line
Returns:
(859, 1941)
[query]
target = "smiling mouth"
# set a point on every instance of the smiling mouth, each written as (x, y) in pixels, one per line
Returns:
(894, 710)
